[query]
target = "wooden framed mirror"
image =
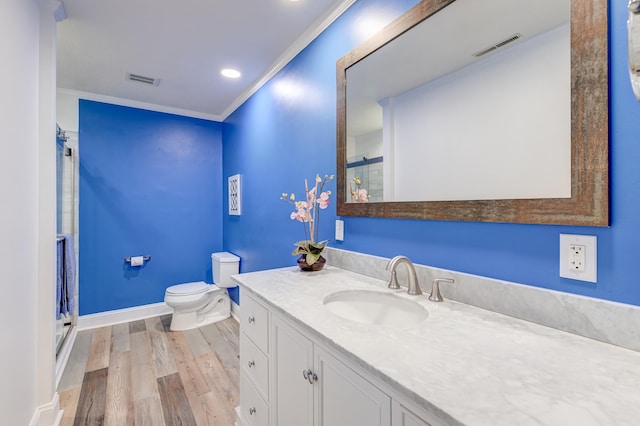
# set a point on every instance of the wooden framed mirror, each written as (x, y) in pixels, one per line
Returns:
(584, 199)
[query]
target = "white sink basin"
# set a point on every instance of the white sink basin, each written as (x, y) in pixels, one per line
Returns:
(376, 308)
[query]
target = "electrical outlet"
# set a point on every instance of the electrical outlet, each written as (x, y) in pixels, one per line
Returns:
(579, 257)
(339, 230)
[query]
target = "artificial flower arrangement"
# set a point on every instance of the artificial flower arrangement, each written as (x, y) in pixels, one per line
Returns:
(359, 195)
(308, 212)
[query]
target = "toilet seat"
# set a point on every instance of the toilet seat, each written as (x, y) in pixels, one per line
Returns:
(188, 289)
(188, 293)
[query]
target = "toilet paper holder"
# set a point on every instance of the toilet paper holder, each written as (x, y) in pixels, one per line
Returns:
(128, 259)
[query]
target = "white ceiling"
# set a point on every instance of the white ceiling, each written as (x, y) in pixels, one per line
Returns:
(184, 44)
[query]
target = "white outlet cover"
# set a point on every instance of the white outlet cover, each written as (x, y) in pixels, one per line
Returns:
(590, 242)
(339, 230)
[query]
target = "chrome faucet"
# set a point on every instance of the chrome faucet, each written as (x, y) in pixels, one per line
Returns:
(414, 287)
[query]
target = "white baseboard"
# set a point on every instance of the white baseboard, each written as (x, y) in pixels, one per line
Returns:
(235, 311)
(103, 319)
(48, 414)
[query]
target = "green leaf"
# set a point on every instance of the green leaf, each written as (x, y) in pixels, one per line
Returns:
(297, 251)
(316, 249)
(304, 244)
(312, 258)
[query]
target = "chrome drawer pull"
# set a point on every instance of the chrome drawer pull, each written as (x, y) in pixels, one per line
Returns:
(251, 320)
(251, 364)
(252, 411)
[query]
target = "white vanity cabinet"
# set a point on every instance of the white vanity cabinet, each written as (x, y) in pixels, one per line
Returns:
(312, 387)
(288, 378)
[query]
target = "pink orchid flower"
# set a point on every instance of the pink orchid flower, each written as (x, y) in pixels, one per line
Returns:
(323, 201)
(308, 212)
(363, 197)
(302, 213)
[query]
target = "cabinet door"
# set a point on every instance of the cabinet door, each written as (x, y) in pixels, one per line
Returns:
(344, 398)
(292, 354)
(403, 417)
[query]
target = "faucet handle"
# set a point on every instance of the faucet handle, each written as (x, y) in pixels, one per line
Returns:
(393, 283)
(435, 295)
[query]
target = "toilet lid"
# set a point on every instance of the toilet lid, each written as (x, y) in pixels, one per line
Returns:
(189, 288)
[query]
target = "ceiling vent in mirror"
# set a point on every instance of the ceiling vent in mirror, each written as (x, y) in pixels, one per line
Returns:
(142, 79)
(498, 45)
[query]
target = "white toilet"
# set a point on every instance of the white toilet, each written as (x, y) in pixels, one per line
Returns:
(197, 303)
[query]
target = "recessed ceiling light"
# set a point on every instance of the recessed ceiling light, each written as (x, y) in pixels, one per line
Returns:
(230, 73)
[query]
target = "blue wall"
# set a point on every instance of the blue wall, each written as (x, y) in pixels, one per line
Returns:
(150, 184)
(286, 132)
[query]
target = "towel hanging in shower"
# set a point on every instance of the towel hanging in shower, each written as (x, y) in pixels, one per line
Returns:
(66, 276)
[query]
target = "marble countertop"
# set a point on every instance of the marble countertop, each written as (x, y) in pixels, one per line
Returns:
(467, 365)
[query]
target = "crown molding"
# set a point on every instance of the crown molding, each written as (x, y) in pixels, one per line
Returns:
(137, 104)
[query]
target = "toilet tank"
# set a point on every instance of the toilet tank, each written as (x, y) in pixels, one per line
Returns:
(224, 265)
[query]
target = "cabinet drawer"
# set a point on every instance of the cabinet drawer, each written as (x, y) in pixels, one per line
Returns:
(255, 365)
(255, 412)
(255, 322)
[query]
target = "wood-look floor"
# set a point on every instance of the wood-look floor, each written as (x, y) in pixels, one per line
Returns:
(141, 373)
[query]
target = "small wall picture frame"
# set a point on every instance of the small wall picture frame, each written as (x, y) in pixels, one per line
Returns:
(633, 32)
(235, 199)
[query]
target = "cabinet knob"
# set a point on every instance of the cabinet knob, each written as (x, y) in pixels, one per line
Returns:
(251, 320)
(310, 376)
(251, 364)
(252, 411)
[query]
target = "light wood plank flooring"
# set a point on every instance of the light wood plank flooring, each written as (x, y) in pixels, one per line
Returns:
(141, 373)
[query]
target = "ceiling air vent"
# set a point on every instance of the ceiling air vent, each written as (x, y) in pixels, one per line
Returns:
(498, 45)
(142, 79)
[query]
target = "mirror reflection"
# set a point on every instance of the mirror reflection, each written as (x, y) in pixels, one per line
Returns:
(469, 105)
